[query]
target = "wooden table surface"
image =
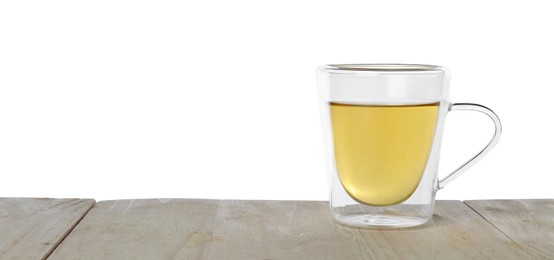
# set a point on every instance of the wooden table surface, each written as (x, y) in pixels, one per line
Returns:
(227, 229)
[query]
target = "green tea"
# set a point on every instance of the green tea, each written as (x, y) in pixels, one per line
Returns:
(381, 151)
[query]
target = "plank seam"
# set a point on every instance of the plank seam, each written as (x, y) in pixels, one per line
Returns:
(68, 232)
(495, 227)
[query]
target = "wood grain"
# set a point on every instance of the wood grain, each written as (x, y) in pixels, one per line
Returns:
(209, 229)
(30, 228)
(141, 229)
(530, 223)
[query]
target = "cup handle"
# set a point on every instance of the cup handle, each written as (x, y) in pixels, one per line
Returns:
(497, 130)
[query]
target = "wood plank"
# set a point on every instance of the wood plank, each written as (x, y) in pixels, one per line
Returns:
(30, 228)
(208, 229)
(279, 230)
(305, 230)
(141, 229)
(530, 223)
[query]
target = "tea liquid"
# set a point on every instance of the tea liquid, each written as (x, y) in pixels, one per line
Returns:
(381, 151)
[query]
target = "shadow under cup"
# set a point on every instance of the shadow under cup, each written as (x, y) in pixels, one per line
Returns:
(383, 125)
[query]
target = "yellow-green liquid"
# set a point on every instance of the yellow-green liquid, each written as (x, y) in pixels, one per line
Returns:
(381, 151)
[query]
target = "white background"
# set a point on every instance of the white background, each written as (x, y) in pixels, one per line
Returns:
(217, 99)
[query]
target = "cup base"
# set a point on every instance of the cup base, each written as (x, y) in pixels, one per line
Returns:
(380, 221)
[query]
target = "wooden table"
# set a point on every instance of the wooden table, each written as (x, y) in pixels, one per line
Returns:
(226, 229)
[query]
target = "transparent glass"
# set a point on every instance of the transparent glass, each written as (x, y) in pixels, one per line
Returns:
(383, 125)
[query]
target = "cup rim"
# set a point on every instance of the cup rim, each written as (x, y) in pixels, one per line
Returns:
(383, 67)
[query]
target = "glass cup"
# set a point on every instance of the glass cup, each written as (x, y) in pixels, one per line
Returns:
(383, 126)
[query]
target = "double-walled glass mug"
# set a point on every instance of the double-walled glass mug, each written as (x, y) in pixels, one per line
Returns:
(383, 126)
